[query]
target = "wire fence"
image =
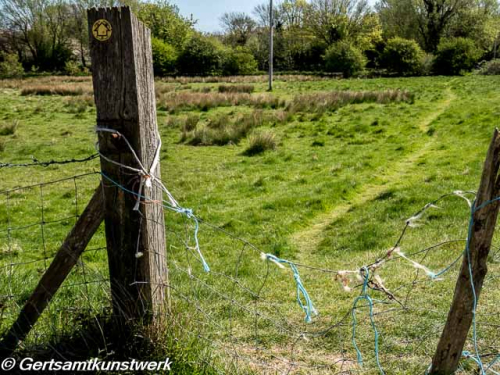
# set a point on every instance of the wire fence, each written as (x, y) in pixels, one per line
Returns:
(238, 308)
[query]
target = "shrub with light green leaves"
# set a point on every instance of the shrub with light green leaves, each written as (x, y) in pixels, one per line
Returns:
(10, 67)
(164, 57)
(343, 57)
(403, 56)
(239, 61)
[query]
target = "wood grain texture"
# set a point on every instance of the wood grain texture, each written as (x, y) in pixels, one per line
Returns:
(122, 71)
(452, 341)
(64, 261)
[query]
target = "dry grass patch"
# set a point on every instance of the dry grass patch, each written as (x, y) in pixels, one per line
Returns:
(63, 90)
(244, 79)
(329, 101)
(236, 88)
(220, 130)
(173, 102)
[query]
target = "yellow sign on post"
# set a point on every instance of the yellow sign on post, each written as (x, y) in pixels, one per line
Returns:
(102, 30)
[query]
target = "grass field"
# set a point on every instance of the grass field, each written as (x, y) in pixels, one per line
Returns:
(339, 174)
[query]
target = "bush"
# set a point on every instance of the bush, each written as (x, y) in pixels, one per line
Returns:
(344, 58)
(72, 68)
(456, 56)
(10, 67)
(200, 56)
(491, 68)
(239, 62)
(403, 56)
(164, 57)
(260, 142)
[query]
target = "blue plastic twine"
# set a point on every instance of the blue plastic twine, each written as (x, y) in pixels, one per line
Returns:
(184, 211)
(365, 296)
(308, 306)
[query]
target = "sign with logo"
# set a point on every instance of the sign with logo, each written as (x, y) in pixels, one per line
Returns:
(102, 30)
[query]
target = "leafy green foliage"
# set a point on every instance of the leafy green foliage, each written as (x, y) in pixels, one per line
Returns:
(239, 61)
(201, 56)
(403, 56)
(456, 56)
(164, 57)
(10, 67)
(165, 22)
(343, 57)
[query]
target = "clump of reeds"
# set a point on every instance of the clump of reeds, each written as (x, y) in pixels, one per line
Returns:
(185, 100)
(63, 90)
(236, 88)
(221, 130)
(260, 142)
(330, 101)
(9, 129)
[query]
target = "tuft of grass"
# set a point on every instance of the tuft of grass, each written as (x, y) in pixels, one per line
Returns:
(9, 129)
(248, 89)
(260, 142)
(2, 145)
(221, 130)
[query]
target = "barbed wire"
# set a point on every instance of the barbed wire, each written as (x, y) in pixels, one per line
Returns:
(242, 306)
(37, 163)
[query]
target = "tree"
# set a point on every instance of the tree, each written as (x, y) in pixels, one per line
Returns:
(480, 22)
(335, 20)
(238, 27)
(40, 29)
(434, 16)
(398, 19)
(165, 22)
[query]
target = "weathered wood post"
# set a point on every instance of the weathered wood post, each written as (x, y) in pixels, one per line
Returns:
(451, 344)
(122, 72)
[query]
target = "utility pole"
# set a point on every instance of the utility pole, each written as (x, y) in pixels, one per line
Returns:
(271, 44)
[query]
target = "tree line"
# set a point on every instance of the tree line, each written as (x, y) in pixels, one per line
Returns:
(399, 37)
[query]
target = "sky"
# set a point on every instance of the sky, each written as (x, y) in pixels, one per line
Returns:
(208, 12)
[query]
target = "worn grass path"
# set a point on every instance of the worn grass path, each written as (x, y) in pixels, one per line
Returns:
(308, 239)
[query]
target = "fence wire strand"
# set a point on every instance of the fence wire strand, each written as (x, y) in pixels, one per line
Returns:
(242, 316)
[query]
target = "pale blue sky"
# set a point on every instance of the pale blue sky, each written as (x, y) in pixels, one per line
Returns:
(208, 12)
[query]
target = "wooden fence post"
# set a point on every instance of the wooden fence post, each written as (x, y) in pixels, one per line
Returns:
(451, 344)
(122, 71)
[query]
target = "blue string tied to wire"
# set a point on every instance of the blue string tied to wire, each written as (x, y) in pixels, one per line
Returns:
(364, 296)
(189, 214)
(307, 306)
(184, 211)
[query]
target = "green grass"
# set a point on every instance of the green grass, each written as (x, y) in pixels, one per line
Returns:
(334, 194)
